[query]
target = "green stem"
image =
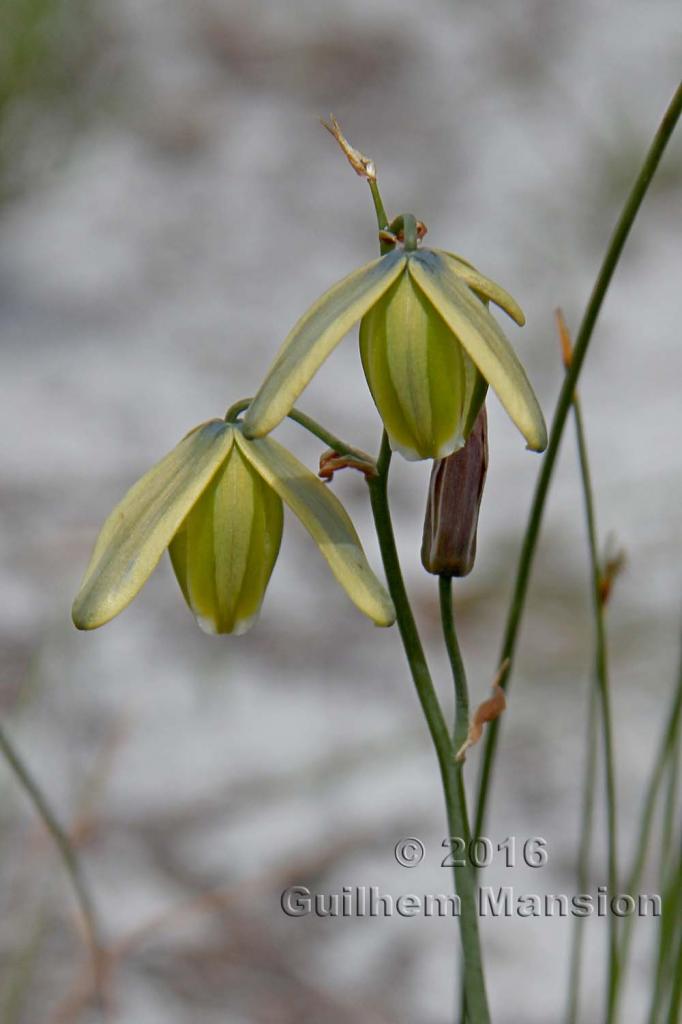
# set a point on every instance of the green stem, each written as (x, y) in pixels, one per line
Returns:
(461, 723)
(65, 847)
(675, 1008)
(236, 409)
(675, 1005)
(474, 994)
(409, 232)
(583, 872)
(669, 929)
(601, 285)
(382, 216)
(670, 807)
(459, 678)
(666, 751)
(474, 984)
(303, 420)
(335, 443)
(602, 681)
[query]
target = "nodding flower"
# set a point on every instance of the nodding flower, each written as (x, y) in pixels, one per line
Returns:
(429, 344)
(216, 502)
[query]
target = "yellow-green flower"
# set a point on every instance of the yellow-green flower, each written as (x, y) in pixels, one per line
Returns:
(216, 501)
(429, 346)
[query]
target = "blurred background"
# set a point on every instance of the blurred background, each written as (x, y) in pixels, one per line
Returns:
(169, 205)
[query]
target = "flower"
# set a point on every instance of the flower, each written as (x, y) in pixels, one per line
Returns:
(455, 492)
(216, 501)
(429, 345)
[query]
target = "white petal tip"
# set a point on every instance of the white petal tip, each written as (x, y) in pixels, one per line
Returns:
(241, 626)
(538, 446)
(453, 444)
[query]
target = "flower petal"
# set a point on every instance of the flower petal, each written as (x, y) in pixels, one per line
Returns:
(416, 372)
(327, 522)
(314, 337)
(485, 287)
(141, 527)
(225, 552)
(481, 336)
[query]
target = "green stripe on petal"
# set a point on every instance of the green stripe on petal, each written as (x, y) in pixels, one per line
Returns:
(314, 337)
(226, 551)
(177, 550)
(482, 338)
(141, 526)
(415, 370)
(327, 522)
(485, 287)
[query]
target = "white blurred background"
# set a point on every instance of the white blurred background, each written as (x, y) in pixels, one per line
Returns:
(170, 205)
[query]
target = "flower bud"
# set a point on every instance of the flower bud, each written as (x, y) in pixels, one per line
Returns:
(455, 492)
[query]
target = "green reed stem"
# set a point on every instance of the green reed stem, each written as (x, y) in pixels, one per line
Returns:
(670, 806)
(671, 882)
(669, 934)
(601, 673)
(675, 1006)
(474, 983)
(64, 845)
(595, 302)
(583, 872)
(666, 752)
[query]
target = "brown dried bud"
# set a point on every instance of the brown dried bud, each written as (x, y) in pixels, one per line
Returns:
(486, 712)
(455, 492)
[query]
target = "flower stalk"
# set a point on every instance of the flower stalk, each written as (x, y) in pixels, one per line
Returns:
(473, 978)
(474, 996)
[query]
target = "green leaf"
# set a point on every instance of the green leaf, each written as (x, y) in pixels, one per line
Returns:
(141, 527)
(484, 286)
(479, 333)
(327, 522)
(314, 337)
